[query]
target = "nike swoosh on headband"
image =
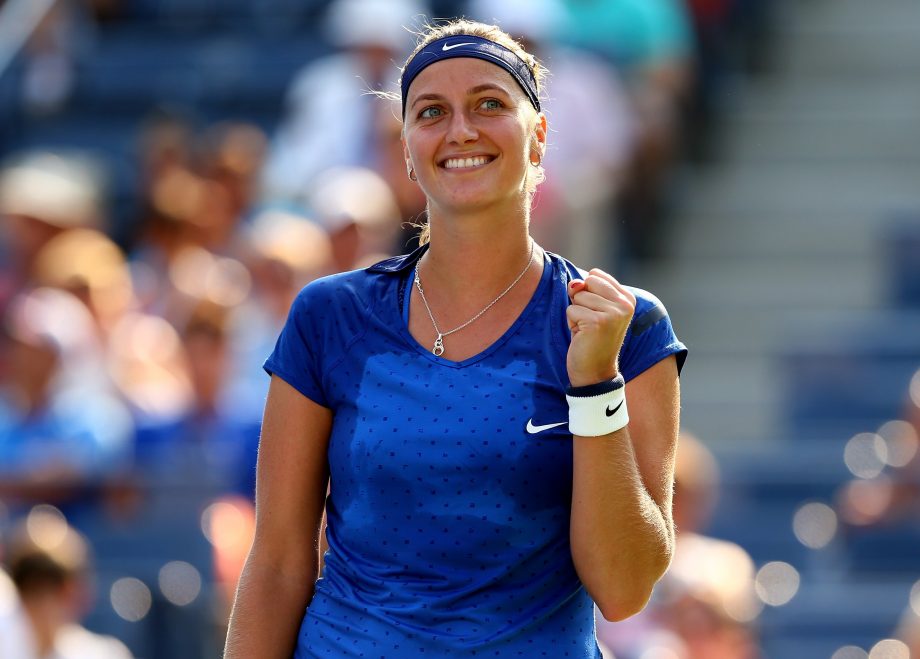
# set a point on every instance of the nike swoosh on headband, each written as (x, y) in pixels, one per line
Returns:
(446, 47)
(533, 430)
(477, 48)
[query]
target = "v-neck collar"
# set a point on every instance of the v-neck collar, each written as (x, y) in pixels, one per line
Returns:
(404, 265)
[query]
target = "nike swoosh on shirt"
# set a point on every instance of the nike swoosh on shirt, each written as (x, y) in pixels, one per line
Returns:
(447, 47)
(614, 410)
(533, 430)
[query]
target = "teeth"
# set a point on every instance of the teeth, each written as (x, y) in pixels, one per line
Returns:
(455, 163)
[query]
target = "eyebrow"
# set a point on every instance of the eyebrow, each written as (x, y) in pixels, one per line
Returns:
(489, 86)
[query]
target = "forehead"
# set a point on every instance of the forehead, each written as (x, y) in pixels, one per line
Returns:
(459, 74)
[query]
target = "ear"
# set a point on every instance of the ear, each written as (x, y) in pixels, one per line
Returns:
(405, 148)
(539, 132)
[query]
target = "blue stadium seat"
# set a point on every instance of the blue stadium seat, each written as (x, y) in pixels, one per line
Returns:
(852, 374)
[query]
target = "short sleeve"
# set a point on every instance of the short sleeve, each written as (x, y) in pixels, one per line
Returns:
(296, 358)
(650, 337)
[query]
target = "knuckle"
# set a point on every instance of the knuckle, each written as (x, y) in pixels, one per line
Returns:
(627, 300)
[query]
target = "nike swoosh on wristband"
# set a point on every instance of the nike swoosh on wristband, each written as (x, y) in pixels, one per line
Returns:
(614, 410)
(445, 47)
(533, 430)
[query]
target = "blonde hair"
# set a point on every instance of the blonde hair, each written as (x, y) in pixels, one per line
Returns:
(460, 27)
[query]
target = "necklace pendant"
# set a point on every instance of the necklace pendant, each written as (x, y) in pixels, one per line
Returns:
(438, 349)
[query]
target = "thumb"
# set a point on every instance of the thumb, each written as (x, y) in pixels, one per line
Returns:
(575, 286)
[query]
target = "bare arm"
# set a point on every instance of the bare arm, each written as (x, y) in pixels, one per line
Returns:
(622, 532)
(279, 576)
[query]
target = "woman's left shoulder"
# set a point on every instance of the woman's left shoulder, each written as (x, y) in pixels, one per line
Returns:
(646, 303)
(650, 337)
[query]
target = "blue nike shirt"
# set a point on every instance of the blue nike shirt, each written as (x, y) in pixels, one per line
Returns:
(448, 522)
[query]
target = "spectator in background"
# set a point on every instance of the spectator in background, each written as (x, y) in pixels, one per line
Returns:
(197, 192)
(285, 252)
(732, 37)
(711, 24)
(233, 154)
(703, 607)
(209, 442)
(165, 150)
(49, 565)
(56, 438)
(588, 153)
(330, 116)
(651, 44)
(359, 212)
(137, 355)
(42, 194)
(92, 268)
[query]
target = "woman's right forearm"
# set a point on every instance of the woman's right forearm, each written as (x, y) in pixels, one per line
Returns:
(270, 604)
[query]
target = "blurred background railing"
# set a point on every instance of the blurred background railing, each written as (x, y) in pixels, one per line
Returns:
(174, 171)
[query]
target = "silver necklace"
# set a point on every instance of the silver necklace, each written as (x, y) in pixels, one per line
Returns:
(438, 348)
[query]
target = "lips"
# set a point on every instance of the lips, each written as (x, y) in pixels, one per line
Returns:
(467, 162)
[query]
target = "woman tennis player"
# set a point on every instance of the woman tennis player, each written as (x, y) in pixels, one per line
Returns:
(467, 406)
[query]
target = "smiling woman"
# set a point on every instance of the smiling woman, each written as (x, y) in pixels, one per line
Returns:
(466, 405)
(516, 92)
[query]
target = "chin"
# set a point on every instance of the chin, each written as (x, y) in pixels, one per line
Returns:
(478, 200)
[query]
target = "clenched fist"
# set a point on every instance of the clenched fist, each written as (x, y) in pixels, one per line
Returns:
(598, 317)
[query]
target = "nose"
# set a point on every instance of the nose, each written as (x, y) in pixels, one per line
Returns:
(461, 130)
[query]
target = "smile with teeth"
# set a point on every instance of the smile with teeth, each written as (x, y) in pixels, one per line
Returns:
(457, 163)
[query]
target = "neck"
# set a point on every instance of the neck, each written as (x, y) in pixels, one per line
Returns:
(476, 252)
(46, 620)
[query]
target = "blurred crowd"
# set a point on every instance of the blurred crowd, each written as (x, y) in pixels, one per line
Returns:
(130, 355)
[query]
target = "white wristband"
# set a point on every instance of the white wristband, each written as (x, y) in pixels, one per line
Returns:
(598, 415)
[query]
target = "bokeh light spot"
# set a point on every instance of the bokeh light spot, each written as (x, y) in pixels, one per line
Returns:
(776, 583)
(224, 525)
(915, 389)
(130, 598)
(889, 649)
(815, 524)
(915, 598)
(864, 502)
(902, 442)
(865, 455)
(850, 652)
(180, 582)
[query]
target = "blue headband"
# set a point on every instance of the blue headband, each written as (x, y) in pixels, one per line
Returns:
(465, 45)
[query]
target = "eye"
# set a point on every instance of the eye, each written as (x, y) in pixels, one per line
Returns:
(430, 112)
(491, 104)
